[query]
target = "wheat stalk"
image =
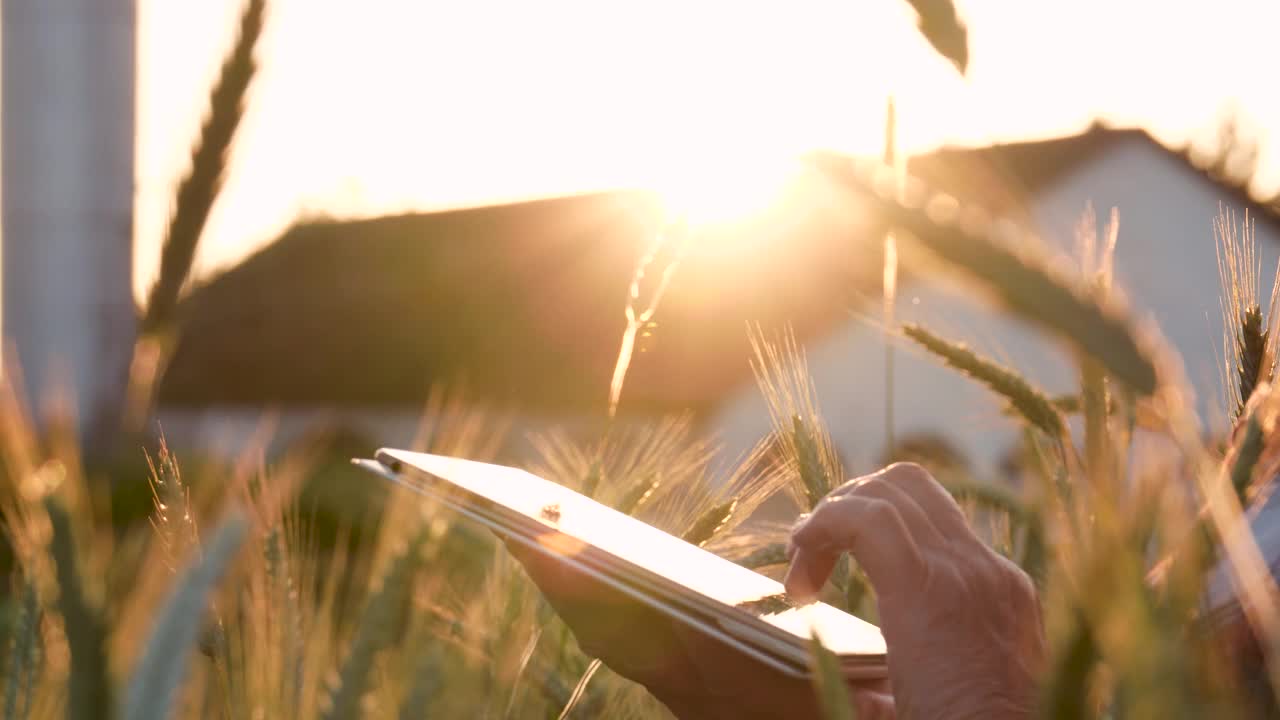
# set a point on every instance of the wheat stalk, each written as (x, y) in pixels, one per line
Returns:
(1249, 341)
(89, 687)
(199, 188)
(417, 702)
(944, 30)
(163, 667)
(24, 652)
(374, 632)
(1023, 280)
(641, 307)
(801, 438)
(1031, 403)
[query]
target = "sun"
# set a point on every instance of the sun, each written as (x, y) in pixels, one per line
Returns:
(706, 192)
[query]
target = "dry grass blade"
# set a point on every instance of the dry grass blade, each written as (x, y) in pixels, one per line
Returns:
(659, 472)
(580, 690)
(1033, 405)
(829, 683)
(665, 254)
(89, 689)
(1023, 280)
(163, 668)
(199, 189)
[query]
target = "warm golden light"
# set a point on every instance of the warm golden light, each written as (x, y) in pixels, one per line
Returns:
(442, 104)
(724, 190)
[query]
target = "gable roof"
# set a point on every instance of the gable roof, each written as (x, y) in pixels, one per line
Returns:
(1002, 177)
(522, 304)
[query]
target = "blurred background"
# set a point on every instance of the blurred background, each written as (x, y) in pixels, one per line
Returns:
(417, 195)
(242, 242)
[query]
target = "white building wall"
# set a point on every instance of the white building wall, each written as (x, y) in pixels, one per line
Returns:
(1165, 259)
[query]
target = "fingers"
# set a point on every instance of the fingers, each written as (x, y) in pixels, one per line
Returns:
(886, 486)
(872, 529)
(886, 521)
(941, 510)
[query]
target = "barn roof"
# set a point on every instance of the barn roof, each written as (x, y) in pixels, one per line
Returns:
(1002, 177)
(522, 304)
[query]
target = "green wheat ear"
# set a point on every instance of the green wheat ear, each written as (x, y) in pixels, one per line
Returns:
(772, 554)
(1031, 403)
(944, 30)
(704, 529)
(375, 631)
(24, 655)
(813, 475)
(1023, 281)
(1251, 354)
(89, 689)
(199, 188)
(163, 668)
(828, 682)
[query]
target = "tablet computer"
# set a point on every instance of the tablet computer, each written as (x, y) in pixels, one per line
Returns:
(730, 603)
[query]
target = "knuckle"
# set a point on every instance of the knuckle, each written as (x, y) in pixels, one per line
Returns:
(906, 472)
(880, 509)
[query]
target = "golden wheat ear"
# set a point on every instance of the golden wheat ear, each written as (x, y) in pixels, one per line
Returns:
(1249, 340)
(801, 440)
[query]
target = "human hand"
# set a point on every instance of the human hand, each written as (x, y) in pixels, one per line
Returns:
(693, 675)
(962, 623)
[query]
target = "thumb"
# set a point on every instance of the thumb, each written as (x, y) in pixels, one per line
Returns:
(873, 704)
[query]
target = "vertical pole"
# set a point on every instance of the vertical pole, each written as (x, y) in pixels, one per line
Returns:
(66, 254)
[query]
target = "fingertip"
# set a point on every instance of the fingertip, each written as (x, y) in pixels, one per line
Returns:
(799, 579)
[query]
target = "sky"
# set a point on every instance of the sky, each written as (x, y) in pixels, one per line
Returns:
(379, 106)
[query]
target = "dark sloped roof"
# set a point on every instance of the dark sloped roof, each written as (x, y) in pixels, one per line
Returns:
(1002, 177)
(522, 304)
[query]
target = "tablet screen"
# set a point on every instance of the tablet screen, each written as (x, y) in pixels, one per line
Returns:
(577, 524)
